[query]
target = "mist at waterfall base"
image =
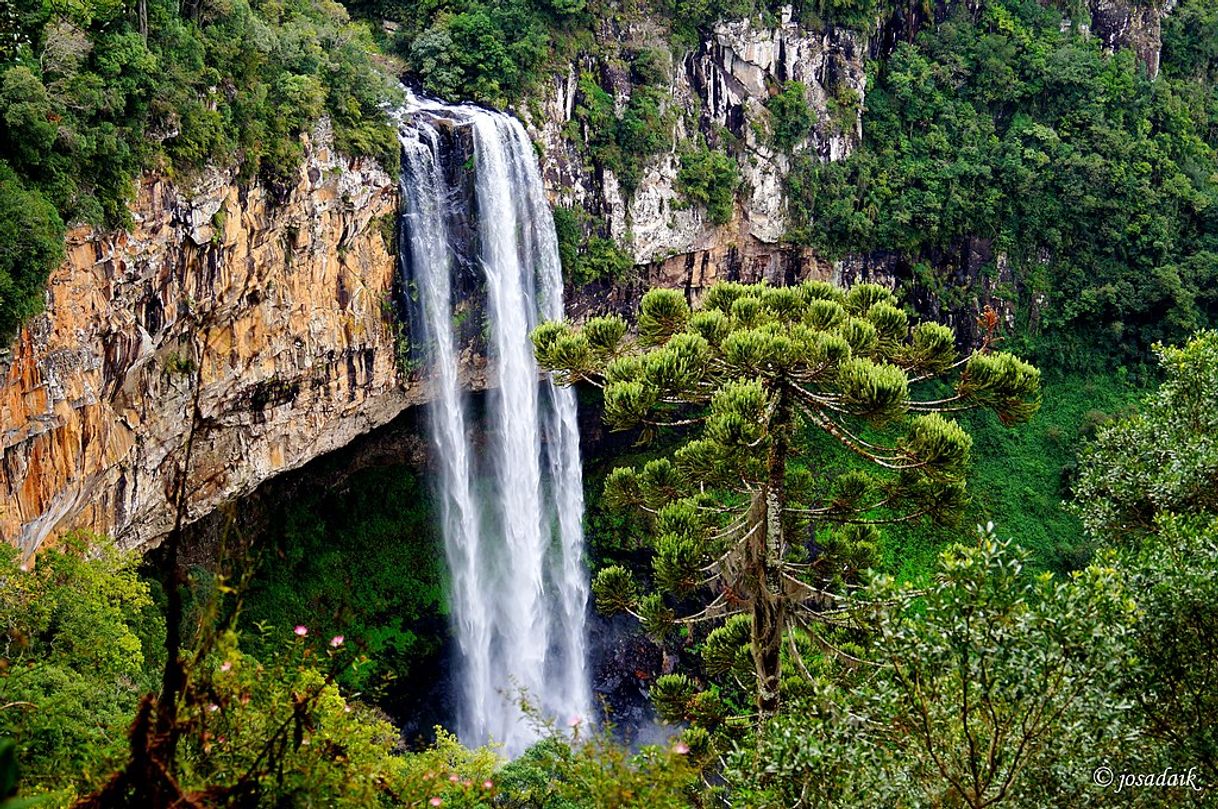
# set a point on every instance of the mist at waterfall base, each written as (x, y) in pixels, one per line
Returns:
(477, 234)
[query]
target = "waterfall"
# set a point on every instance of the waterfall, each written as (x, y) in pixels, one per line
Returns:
(511, 511)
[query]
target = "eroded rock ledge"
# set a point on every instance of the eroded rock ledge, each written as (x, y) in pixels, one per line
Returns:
(280, 308)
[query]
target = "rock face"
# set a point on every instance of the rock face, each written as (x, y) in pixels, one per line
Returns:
(279, 310)
(282, 309)
(1133, 24)
(717, 91)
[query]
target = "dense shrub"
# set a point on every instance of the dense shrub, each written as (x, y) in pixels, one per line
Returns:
(315, 568)
(587, 260)
(709, 179)
(487, 52)
(31, 244)
(624, 144)
(79, 643)
(791, 118)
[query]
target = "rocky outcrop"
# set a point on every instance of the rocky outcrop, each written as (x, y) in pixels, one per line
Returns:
(1132, 24)
(718, 92)
(278, 310)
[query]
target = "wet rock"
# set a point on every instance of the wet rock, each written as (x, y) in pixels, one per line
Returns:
(624, 663)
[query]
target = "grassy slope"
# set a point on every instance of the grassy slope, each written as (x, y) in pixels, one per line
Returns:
(1019, 478)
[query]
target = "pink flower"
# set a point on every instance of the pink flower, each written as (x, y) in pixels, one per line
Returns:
(454, 778)
(213, 707)
(680, 748)
(301, 630)
(487, 784)
(436, 801)
(225, 666)
(336, 641)
(574, 721)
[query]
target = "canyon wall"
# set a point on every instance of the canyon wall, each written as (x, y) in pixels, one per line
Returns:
(279, 309)
(716, 92)
(282, 309)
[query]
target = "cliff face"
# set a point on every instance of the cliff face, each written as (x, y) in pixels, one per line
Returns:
(281, 309)
(718, 91)
(1132, 24)
(278, 309)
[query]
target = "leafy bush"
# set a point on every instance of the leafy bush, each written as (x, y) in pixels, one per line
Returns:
(709, 179)
(487, 52)
(1162, 460)
(585, 261)
(79, 644)
(1176, 686)
(31, 235)
(623, 144)
(792, 118)
(995, 688)
(316, 569)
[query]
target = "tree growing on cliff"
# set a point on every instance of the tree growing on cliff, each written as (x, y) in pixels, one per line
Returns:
(739, 526)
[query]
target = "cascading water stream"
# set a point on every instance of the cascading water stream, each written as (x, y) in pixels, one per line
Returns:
(519, 588)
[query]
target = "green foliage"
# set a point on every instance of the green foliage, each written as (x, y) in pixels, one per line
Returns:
(1190, 42)
(615, 590)
(709, 179)
(596, 773)
(485, 51)
(673, 696)
(725, 513)
(31, 244)
(1163, 459)
(329, 752)
(624, 143)
(586, 261)
(87, 102)
(994, 688)
(791, 117)
(80, 645)
(316, 569)
(1017, 479)
(9, 776)
(1175, 687)
(1095, 182)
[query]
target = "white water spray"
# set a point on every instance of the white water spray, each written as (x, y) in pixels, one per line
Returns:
(511, 514)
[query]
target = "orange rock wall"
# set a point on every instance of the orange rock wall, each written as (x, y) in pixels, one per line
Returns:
(285, 303)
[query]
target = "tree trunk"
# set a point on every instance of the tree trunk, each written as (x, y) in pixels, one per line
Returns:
(769, 602)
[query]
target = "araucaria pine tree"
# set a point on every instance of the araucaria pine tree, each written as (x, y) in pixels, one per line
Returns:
(739, 525)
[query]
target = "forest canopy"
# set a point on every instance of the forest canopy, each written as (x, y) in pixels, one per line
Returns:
(94, 93)
(1096, 181)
